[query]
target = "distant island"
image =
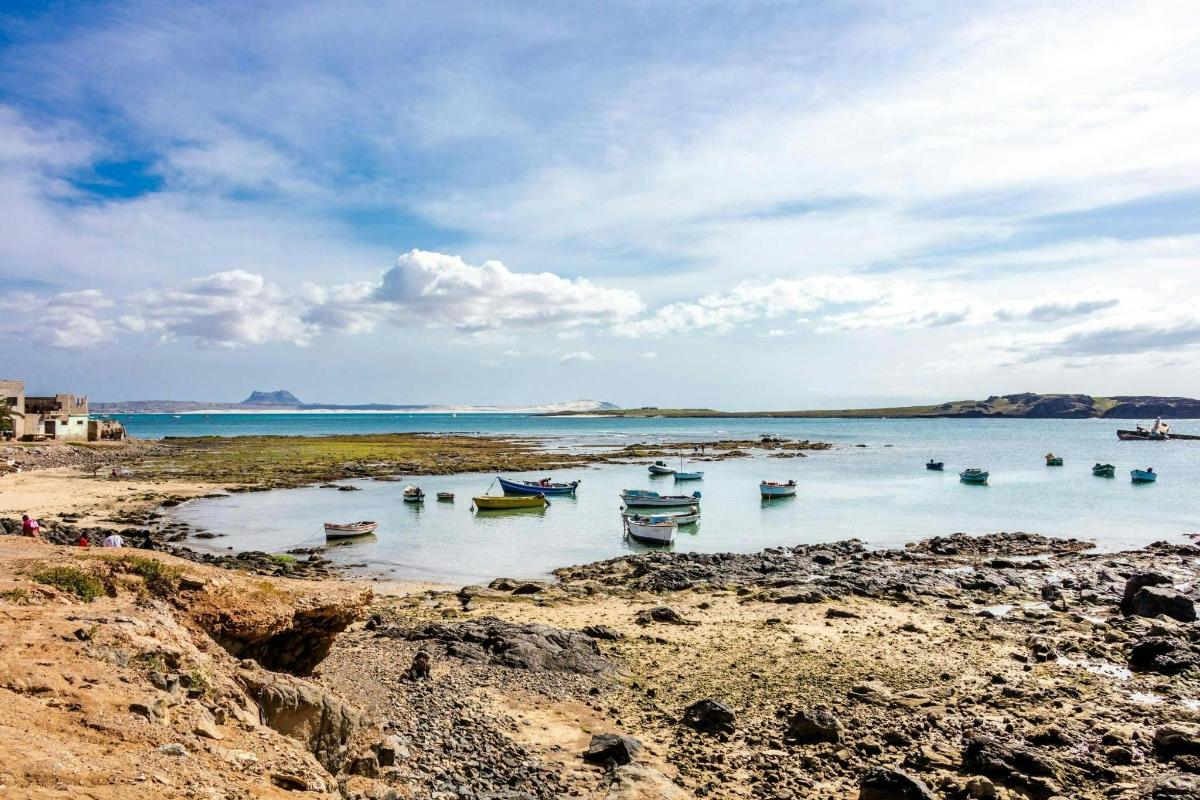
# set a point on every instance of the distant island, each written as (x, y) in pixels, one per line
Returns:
(283, 400)
(1010, 406)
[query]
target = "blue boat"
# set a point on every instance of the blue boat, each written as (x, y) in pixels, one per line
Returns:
(544, 486)
(688, 476)
(1147, 475)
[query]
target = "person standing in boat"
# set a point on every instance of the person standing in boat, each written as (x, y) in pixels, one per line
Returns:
(1160, 427)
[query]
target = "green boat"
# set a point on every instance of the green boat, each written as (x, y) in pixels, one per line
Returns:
(1104, 471)
(974, 475)
(1053, 460)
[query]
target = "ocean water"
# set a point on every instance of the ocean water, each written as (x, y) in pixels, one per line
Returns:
(879, 493)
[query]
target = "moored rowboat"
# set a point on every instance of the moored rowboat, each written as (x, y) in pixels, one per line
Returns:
(544, 486)
(935, 465)
(1104, 471)
(1053, 460)
(688, 476)
(643, 498)
(652, 530)
(492, 502)
(1147, 475)
(974, 475)
(413, 494)
(659, 468)
(689, 517)
(445, 497)
(777, 489)
(336, 530)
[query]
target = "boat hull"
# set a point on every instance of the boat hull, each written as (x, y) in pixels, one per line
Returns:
(527, 487)
(500, 503)
(974, 477)
(936, 466)
(1104, 471)
(777, 490)
(689, 476)
(660, 533)
(690, 517)
(1142, 476)
(336, 531)
(1146, 436)
(655, 469)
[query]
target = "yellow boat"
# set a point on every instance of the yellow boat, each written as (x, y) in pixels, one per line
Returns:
(491, 502)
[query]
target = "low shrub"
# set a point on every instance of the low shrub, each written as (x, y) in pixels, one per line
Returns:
(83, 585)
(161, 579)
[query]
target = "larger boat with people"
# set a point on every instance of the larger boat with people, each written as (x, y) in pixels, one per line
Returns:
(544, 486)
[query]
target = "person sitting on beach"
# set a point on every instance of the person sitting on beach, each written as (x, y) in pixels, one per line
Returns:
(30, 527)
(114, 540)
(83, 541)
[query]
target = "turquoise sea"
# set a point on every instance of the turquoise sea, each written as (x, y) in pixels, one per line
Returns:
(880, 493)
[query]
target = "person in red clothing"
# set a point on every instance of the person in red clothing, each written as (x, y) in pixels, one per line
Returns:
(30, 527)
(83, 540)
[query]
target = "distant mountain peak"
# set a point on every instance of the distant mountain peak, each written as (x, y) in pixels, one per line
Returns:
(279, 397)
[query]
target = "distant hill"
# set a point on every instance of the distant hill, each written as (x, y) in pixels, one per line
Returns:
(283, 400)
(1026, 405)
(279, 397)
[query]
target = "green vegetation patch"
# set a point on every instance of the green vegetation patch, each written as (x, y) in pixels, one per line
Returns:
(83, 585)
(162, 580)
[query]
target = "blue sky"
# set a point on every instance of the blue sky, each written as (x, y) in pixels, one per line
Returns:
(763, 204)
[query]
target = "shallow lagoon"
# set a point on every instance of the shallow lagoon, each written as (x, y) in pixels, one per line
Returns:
(880, 493)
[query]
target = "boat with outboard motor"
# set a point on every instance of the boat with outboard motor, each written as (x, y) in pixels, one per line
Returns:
(644, 498)
(777, 489)
(544, 486)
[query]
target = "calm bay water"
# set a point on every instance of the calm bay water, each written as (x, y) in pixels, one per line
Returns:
(880, 493)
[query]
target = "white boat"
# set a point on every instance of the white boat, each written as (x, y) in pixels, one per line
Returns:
(777, 489)
(689, 517)
(413, 494)
(337, 530)
(652, 530)
(660, 468)
(643, 498)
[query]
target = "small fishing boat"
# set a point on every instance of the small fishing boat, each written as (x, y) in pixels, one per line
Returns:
(974, 475)
(1104, 470)
(1053, 460)
(652, 530)
(689, 476)
(1147, 475)
(935, 465)
(660, 468)
(348, 530)
(689, 517)
(544, 486)
(413, 494)
(493, 502)
(445, 497)
(777, 489)
(643, 498)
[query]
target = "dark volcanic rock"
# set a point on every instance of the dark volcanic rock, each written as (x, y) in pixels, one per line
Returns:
(527, 646)
(611, 748)
(1176, 740)
(1010, 764)
(1175, 787)
(1150, 601)
(603, 632)
(661, 614)
(710, 716)
(813, 725)
(1163, 655)
(1135, 584)
(881, 783)
(1007, 544)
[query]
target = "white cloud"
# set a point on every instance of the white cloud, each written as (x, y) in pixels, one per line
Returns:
(581, 355)
(445, 290)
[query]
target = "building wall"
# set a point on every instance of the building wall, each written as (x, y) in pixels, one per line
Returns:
(14, 391)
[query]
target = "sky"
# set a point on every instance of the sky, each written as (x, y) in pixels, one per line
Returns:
(759, 205)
